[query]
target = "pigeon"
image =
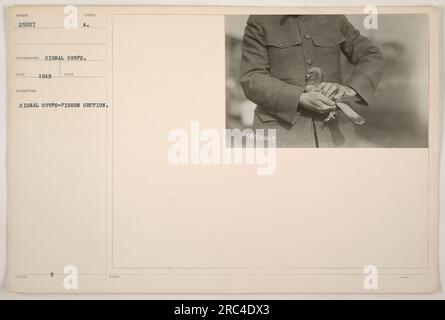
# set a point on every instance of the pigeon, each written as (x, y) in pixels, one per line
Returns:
(315, 78)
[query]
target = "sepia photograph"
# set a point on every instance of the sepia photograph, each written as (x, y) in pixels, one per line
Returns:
(223, 151)
(329, 81)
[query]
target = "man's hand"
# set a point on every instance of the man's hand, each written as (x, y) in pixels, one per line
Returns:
(335, 91)
(316, 102)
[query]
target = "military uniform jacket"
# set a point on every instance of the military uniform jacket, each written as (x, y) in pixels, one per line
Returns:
(278, 51)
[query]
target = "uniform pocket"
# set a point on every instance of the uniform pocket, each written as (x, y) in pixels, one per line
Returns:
(328, 40)
(286, 60)
(328, 53)
(265, 118)
(283, 44)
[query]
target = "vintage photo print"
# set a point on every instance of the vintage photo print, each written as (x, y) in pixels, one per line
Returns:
(328, 81)
(121, 179)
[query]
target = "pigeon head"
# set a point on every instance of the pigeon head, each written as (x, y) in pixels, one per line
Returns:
(315, 76)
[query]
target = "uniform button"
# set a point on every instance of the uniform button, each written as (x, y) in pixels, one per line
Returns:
(307, 36)
(302, 19)
(308, 75)
(331, 44)
(280, 45)
(309, 61)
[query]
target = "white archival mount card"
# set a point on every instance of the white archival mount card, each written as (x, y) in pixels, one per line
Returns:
(223, 149)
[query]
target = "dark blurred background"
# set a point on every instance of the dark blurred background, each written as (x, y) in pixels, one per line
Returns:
(397, 117)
